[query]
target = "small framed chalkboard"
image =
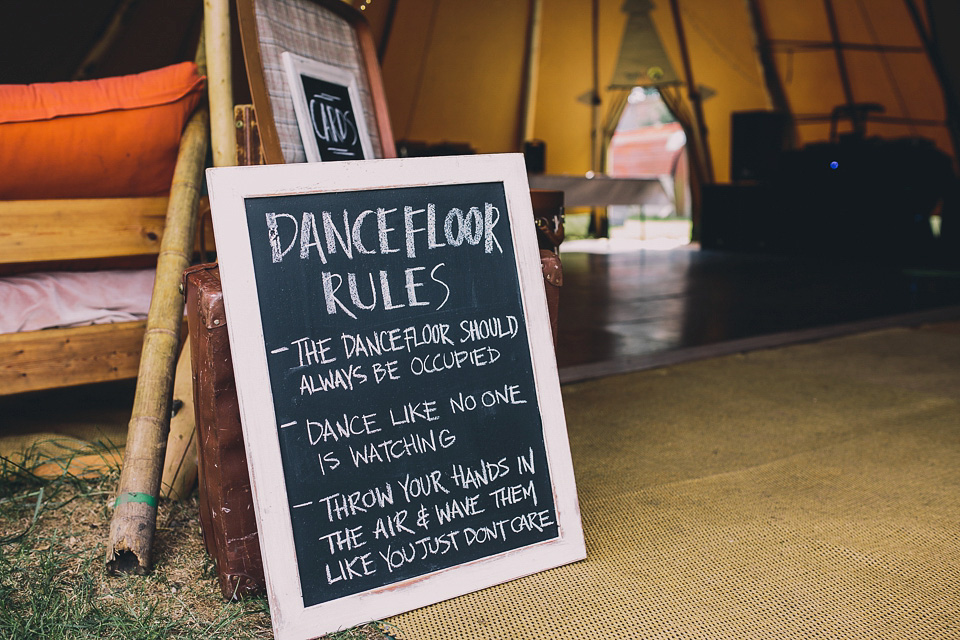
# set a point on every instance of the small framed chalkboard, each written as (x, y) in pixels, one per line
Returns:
(326, 103)
(397, 381)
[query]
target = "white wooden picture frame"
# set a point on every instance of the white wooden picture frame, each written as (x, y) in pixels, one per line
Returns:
(231, 190)
(346, 120)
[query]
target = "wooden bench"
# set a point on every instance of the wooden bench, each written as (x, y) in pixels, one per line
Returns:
(88, 234)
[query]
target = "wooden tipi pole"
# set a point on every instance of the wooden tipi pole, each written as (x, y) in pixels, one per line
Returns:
(936, 61)
(180, 463)
(693, 93)
(135, 516)
(216, 27)
(772, 83)
(531, 72)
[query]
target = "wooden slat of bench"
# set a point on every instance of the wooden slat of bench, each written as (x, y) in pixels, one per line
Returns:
(34, 360)
(47, 230)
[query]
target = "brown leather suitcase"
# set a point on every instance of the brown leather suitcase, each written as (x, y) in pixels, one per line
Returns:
(226, 504)
(548, 216)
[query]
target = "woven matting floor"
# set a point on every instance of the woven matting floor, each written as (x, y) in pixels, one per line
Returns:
(811, 491)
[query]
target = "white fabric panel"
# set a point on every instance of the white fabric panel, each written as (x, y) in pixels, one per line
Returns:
(36, 301)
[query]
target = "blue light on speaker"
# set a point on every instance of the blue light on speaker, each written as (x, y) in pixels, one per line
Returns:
(834, 165)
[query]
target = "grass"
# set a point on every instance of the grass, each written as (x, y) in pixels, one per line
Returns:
(54, 584)
(577, 227)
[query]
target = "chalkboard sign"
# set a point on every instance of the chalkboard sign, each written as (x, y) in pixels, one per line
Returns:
(397, 382)
(327, 105)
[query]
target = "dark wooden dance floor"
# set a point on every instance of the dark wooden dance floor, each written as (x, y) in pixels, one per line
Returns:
(636, 310)
(634, 307)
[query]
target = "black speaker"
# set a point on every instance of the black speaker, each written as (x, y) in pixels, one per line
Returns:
(757, 140)
(738, 217)
(535, 156)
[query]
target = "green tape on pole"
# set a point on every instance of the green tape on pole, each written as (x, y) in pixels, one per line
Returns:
(134, 496)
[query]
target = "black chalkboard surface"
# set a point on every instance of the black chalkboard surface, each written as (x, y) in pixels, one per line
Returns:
(402, 418)
(333, 119)
(327, 104)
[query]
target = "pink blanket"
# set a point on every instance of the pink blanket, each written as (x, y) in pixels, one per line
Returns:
(68, 299)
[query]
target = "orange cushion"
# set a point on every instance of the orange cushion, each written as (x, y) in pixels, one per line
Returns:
(115, 137)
